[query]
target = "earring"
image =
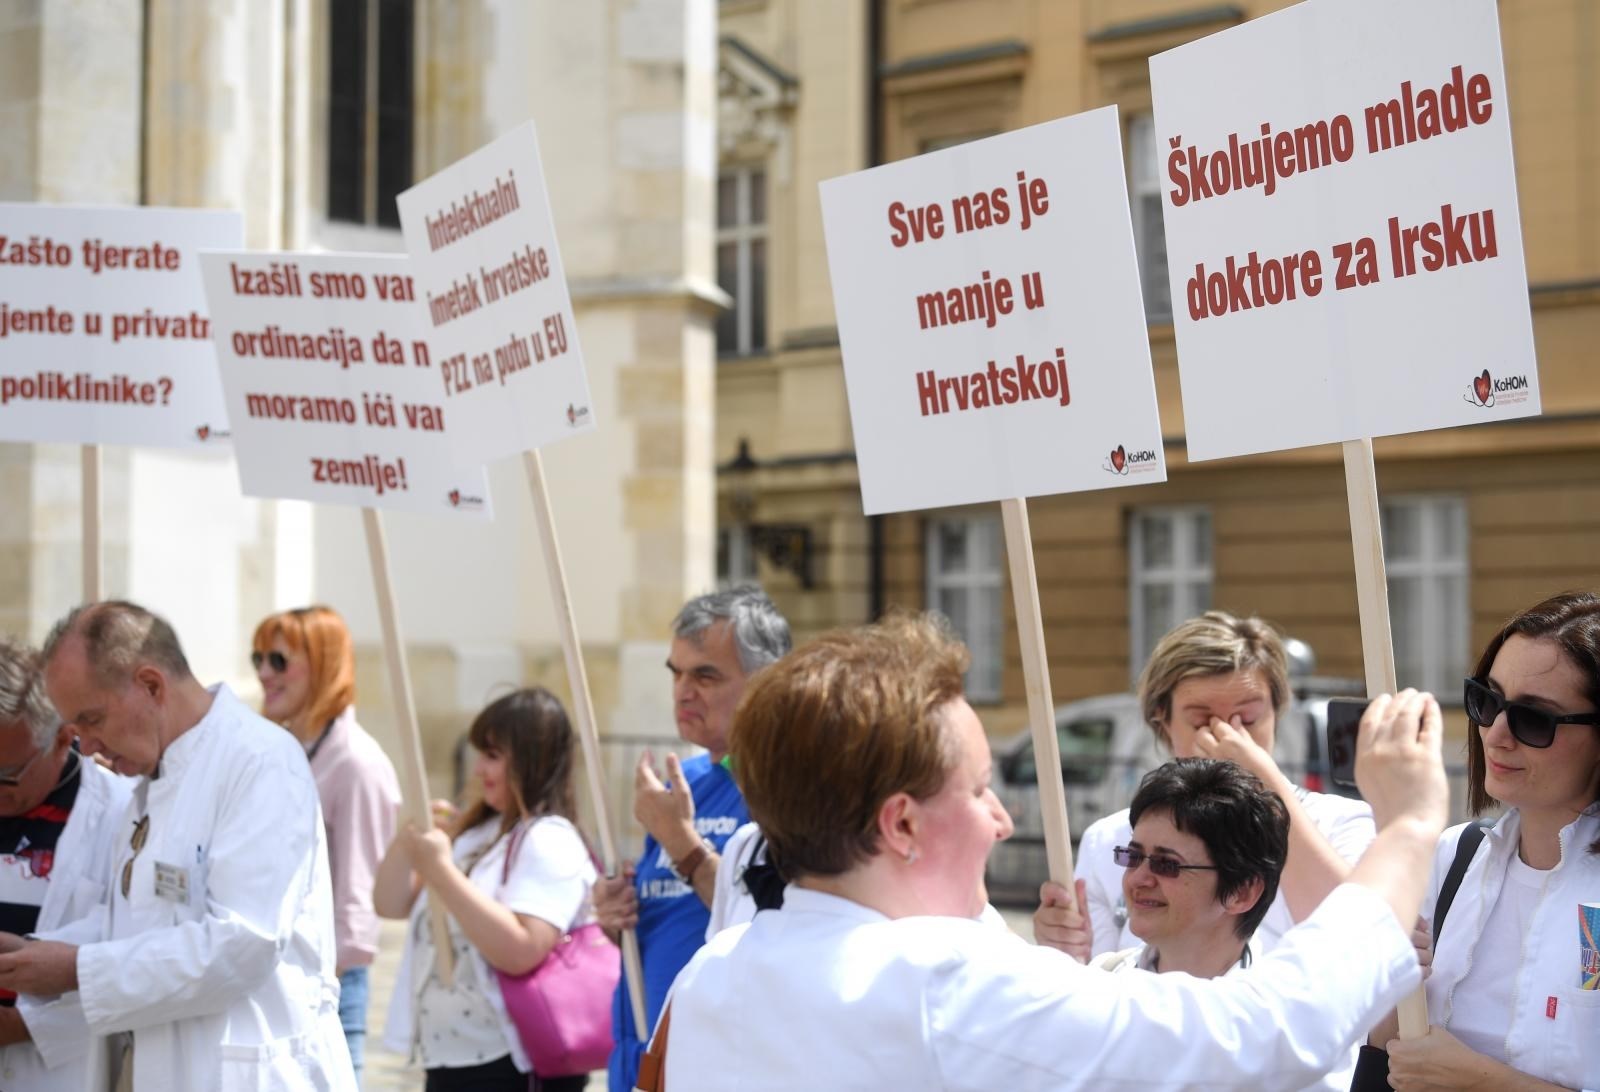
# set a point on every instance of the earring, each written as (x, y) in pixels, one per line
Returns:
(911, 855)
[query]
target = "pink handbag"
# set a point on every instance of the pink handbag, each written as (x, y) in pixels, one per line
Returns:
(562, 1008)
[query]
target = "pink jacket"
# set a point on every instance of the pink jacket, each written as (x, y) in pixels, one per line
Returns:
(360, 798)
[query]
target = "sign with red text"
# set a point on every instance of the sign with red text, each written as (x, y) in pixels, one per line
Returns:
(493, 298)
(331, 386)
(991, 322)
(1343, 245)
(104, 337)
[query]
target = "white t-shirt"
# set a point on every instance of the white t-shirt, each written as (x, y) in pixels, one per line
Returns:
(551, 879)
(1483, 997)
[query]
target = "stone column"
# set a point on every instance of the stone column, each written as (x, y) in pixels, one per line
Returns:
(69, 124)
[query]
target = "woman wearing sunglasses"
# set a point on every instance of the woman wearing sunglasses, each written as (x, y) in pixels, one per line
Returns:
(505, 915)
(869, 774)
(307, 670)
(1507, 999)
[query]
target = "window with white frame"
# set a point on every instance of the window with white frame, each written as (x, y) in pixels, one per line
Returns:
(370, 113)
(742, 260)
(1425, 555)
(1169, 574)
(1149, 239)
(964, 556)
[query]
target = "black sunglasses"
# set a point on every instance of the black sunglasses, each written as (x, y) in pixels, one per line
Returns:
(1528, 723)
(277, 660)
(1160, 864)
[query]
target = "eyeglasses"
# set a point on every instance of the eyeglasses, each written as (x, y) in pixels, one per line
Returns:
(12, 780)
(276, 660)
(1528, 723)
(1160, 864)
(141, 831)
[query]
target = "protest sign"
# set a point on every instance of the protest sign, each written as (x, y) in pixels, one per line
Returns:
(494, 301)
(990, 318)
(104, 337)
(1345, 248)
(330, 385)
(500, 320)
(1343, 240)
(994, 349)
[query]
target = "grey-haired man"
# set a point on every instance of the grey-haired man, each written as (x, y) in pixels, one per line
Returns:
(719, 641)
(58, 834)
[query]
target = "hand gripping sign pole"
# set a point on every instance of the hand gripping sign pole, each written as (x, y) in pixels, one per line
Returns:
(1036, 677)
(583, 707)
(413, 782)
(92, 512)
(1377, 645)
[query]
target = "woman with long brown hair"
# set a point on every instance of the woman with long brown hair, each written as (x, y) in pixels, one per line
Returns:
(305, 662)
(505, 916)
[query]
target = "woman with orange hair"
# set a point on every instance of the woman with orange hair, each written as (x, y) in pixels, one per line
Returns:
(307, 670)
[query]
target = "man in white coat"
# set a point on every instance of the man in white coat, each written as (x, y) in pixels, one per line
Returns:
(210, 966)
(59, 816)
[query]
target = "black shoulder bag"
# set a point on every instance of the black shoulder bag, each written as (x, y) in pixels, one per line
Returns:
(1372, 1067)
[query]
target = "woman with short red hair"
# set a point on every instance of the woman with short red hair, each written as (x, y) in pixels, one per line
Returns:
(306, 665)
(869, 774)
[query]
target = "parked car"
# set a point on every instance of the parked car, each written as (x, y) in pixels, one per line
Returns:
(1106, 748)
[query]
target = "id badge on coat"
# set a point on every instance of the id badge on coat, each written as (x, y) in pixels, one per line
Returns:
(173, 883)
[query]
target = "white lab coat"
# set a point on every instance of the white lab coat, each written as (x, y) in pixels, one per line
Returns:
(232, 988)
(1553, 1030)
(827, 989)
(58, 1056)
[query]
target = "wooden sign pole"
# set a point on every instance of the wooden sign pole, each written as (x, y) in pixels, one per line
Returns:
(583, 708)
(1036, 676)
(93, 569)
(1377, 646)
(413, 778)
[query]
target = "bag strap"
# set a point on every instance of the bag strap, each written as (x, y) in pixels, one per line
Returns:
(653, 1062)
(1466, 847)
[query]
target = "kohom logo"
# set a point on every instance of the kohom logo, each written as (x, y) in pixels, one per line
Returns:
(458, 499)
(1123, 461)
(1486, 391)
(576, 415)
(205, 434)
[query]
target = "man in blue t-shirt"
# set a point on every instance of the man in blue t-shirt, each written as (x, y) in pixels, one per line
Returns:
(718, 641)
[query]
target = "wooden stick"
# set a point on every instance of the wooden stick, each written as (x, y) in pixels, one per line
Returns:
(93, 569)
(583, 708)
(1377, 646)
(413, 776)
(1036, 676)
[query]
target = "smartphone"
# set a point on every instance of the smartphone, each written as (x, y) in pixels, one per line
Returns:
(1344, 717)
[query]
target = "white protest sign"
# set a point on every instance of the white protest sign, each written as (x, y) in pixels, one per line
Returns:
(330, 385)
(104, 337)
(1343, 242)
(494, 299)
(990, 318)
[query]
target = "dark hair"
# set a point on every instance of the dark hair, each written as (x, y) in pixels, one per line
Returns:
(1244, 826)
(1572, 621)
(831, 731)
(118, 636)
(530, 727)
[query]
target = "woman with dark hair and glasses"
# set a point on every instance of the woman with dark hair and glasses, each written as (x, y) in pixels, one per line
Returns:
(1201, 867)
(307, 670)
(505, 915)
(1513, 998)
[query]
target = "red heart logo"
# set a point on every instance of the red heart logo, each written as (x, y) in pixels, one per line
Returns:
(455, 498)
(203, 431)
(1119, 459)
(1480, 387)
